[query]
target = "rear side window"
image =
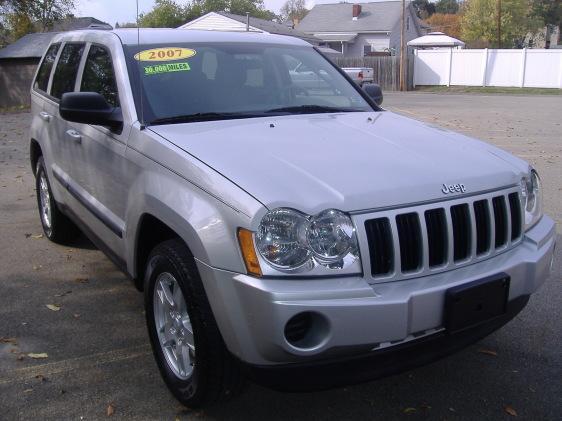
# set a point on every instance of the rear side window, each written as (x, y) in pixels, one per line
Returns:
(67, 67)
(99, 75)
(42, 79)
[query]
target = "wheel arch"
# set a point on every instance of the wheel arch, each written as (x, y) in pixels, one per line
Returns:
(35, 152)
(151, 231)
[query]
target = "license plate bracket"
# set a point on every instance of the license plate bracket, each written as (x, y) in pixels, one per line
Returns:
(470, 304)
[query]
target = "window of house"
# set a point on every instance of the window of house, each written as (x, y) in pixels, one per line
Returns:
(99, 76)
(42, 79)
(367, 49)
(67, 68)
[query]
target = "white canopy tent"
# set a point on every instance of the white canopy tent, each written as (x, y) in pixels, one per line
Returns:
(436, 40)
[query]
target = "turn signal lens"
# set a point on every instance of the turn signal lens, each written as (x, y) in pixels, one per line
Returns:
(246, 240)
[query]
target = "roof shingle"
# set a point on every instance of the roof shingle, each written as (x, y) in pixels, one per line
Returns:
(376, 16)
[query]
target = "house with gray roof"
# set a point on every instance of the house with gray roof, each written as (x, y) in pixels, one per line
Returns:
(223, 21)
(362, 29)
(19, 60)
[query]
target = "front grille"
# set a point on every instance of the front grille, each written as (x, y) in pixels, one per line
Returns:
(429, 238)
(409, 234)
(379, 236)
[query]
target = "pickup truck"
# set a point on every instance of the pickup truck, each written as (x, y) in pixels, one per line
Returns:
(281, 225)
(360, 75)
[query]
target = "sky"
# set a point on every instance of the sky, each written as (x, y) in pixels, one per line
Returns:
(121, 11)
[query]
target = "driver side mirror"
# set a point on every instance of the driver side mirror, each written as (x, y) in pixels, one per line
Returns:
(90, 108)
(374, 91)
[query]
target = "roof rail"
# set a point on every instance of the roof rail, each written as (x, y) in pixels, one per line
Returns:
(100, 26)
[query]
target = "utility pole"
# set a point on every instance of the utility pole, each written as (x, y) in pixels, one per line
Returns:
(402, 49)
(499, 13)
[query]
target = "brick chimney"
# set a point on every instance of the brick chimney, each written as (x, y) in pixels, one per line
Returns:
(356, 11)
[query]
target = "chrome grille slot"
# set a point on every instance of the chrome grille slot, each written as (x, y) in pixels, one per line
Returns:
(379, 235)
(409, 236)
(516, 220)
(431, 238)
(436, 223)
(460, 218)
(483, 228)
(500, 219)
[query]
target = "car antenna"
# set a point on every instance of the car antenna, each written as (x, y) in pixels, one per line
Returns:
(142, 125)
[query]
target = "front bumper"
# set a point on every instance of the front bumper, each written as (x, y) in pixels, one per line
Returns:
(360, 318)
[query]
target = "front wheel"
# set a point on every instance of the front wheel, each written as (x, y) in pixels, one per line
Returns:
(186, 342)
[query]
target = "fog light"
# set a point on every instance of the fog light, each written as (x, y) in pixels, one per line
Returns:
(307, 330)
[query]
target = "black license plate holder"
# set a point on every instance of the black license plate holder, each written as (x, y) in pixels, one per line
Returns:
(470, 304)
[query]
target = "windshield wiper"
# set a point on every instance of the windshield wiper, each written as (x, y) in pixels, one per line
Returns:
(189, 118)
(310, 109)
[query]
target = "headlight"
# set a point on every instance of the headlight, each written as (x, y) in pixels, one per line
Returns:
(292, 242)
(281, 238)
(331, 236)
(531, 195)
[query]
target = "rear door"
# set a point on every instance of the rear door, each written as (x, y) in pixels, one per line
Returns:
(63, 80)
(42, 120)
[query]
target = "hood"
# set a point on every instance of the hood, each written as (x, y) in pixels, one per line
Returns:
(347, 161)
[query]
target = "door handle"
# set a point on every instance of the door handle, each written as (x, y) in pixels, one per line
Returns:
(74, 135)
(45, 116)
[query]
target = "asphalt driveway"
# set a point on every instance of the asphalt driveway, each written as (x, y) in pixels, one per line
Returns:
(97, 352)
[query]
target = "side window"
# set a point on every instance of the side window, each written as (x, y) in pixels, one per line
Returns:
(99, 75)
(67, 68)
(42, 79)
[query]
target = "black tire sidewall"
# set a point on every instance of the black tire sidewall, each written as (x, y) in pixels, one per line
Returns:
(186, 391)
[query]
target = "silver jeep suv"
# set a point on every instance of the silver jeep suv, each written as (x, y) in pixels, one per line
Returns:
(282, 228)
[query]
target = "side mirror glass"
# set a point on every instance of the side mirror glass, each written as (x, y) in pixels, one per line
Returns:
(374, 91)
(90, 108)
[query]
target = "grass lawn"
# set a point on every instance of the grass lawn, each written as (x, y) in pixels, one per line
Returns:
(488, 90)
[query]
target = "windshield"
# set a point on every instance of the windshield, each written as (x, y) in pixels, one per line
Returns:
(204, 81)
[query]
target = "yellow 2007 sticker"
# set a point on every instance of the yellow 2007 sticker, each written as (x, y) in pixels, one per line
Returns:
(165, 54)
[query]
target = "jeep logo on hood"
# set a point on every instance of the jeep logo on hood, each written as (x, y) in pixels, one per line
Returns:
(453, 188)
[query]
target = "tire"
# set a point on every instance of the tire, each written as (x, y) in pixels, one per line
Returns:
(56, 226)
(210, 374)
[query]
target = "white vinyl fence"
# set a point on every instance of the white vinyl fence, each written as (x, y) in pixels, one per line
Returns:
(536, 68)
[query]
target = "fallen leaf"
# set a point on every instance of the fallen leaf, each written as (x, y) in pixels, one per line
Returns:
(41, 377)
(82, 280)
(28, 390)
(110, 410)
(37, 236)
(38, 356)
(76, 315)
(510, 410)
(20, 357)
(409, 410)
(53, 307)
(27, 234)
(12, 341)
(488, 352)
(63, 294)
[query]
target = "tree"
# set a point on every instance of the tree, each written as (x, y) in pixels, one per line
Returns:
(170, 14)
(479, 22)
(42, 13)
(423, 8)
(165, 14)
(550, 11)
(294, 10)
(447, 6)
(447, 23)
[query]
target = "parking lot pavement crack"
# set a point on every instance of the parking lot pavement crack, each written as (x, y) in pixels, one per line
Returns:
(74, 364)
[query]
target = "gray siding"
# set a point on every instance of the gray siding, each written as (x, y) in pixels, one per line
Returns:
(356, 49)
(16, 76)
(411, 33)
